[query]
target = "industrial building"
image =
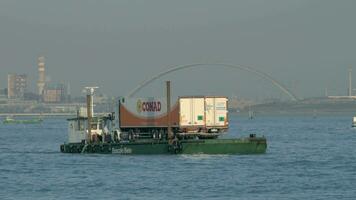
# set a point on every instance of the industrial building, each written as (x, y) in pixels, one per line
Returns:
(55, 93)
(49, 92)
(16, 86)
(3, 95)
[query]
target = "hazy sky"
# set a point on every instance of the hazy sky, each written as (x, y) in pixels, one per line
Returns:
(307, 45)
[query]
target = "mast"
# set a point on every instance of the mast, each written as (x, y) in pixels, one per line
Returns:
(90, 110)
(169, 131)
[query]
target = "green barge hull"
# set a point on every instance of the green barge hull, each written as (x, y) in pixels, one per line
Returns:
(249, 145)
(25, 121)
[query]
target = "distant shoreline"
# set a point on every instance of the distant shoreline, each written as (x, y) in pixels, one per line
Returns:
(37, 114)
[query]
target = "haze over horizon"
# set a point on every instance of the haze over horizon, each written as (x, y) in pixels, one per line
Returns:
(306, 45)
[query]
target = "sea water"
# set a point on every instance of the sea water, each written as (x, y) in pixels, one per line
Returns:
(307, 158)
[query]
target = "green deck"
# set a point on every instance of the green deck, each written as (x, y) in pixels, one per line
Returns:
(254, 145)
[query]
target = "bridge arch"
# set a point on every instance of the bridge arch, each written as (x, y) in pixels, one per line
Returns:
(241, 67)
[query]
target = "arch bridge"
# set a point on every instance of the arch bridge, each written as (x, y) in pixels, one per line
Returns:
(259, 73)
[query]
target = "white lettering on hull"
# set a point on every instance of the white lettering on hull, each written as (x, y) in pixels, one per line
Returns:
(122, 150)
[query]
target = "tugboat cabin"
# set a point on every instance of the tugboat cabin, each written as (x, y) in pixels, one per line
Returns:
(100, 126)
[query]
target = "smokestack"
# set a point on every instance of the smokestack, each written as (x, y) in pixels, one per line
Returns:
(41, 75)
(350, 81)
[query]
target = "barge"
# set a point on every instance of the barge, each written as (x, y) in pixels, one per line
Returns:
(11, 120)
(192, 125)
(248, 145)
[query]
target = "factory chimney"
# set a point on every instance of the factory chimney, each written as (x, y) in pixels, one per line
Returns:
(41, 75)
(350, 81)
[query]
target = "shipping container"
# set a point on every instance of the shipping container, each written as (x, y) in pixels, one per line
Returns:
(146, 113)
(188, 114)
(191, 112)
(216, 114)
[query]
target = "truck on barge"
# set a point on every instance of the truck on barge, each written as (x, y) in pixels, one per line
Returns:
(152, 126)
